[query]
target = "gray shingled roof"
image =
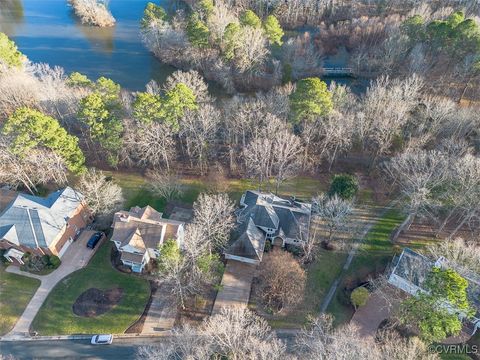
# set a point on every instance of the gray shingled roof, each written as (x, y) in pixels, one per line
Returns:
(250, 244)
(34, 221)
(289, 217)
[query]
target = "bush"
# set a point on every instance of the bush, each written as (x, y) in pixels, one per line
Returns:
(51, 261)
(344, 185)
(359, 297)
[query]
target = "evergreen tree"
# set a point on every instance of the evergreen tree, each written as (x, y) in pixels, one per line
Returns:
(273, 30)
(30, 129)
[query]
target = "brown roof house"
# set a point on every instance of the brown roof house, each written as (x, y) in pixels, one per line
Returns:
(42, 225)
(140, 232)
(265, 216)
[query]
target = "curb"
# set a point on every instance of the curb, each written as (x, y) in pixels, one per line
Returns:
(83, 337)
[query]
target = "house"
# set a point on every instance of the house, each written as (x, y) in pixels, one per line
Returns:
(42, 225)
(410, 270)
(138, 234)
(267, 217)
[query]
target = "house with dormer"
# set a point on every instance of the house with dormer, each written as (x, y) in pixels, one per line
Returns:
(267, 217)
(139, 233)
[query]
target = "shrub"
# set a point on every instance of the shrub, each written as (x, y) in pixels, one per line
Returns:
(359, 297)
(51, 261)
(344, 185)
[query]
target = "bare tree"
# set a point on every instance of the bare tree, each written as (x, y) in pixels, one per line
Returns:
(462, 255)
(286, 150)
(386, 106)
(417, 174)
(93, 12)
(258, 158)
(214, 213)
(198, 131)
(239, 334)
(322, 341)
(164, 184)
(233, 333)
(102, 195)
(281, 280)
(38, 167)
(192, 79)
(149, 145)
(334, 213)
(252, 50)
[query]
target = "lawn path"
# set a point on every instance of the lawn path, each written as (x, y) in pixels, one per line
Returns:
(351, 254)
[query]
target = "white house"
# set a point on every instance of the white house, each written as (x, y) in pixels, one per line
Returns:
(138, 234)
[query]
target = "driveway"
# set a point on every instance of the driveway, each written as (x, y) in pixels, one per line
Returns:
(76, 257)
(162, 311)
(236, 286)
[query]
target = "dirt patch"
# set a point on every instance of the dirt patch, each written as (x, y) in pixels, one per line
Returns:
(94, 302)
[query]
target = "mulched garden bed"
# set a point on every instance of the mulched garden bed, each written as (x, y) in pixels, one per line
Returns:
(94, 302)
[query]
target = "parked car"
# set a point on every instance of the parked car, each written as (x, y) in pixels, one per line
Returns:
(93, 241)
(104, 339)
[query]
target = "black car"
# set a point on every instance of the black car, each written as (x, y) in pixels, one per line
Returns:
(94, 240)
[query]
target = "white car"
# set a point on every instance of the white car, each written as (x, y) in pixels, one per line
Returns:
(105, 339)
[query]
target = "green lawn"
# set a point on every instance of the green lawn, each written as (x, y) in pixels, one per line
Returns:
(371, 259)
(15, 293)
(320, 275)
(56, 316)
(137, 193)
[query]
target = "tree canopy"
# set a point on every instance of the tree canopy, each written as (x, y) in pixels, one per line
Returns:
(9, 53)
(153, 12)
(455, 35)
(436, 311)
(31, 129)
(344, 185)
(197, 31)
(311, 98)
(273, 30)
(249, 18)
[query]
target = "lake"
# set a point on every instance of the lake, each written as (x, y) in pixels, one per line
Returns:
(48, 31)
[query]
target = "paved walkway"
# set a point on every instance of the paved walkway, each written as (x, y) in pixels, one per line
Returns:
(236, 285)
(162, 311)
(76, 257)
(369, 317)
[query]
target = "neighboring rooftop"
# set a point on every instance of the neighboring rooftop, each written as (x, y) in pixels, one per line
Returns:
(142, 228)
(414, 268)
(35, 221)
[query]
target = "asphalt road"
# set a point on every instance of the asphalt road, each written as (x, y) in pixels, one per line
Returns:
(73, 349)
(121, 349)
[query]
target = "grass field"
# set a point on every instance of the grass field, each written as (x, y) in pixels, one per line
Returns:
(320, 275)
(371, 259)
(56, 316)
(137, 193)
(15, 293)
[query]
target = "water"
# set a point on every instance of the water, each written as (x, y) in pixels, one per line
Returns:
(48, 31)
